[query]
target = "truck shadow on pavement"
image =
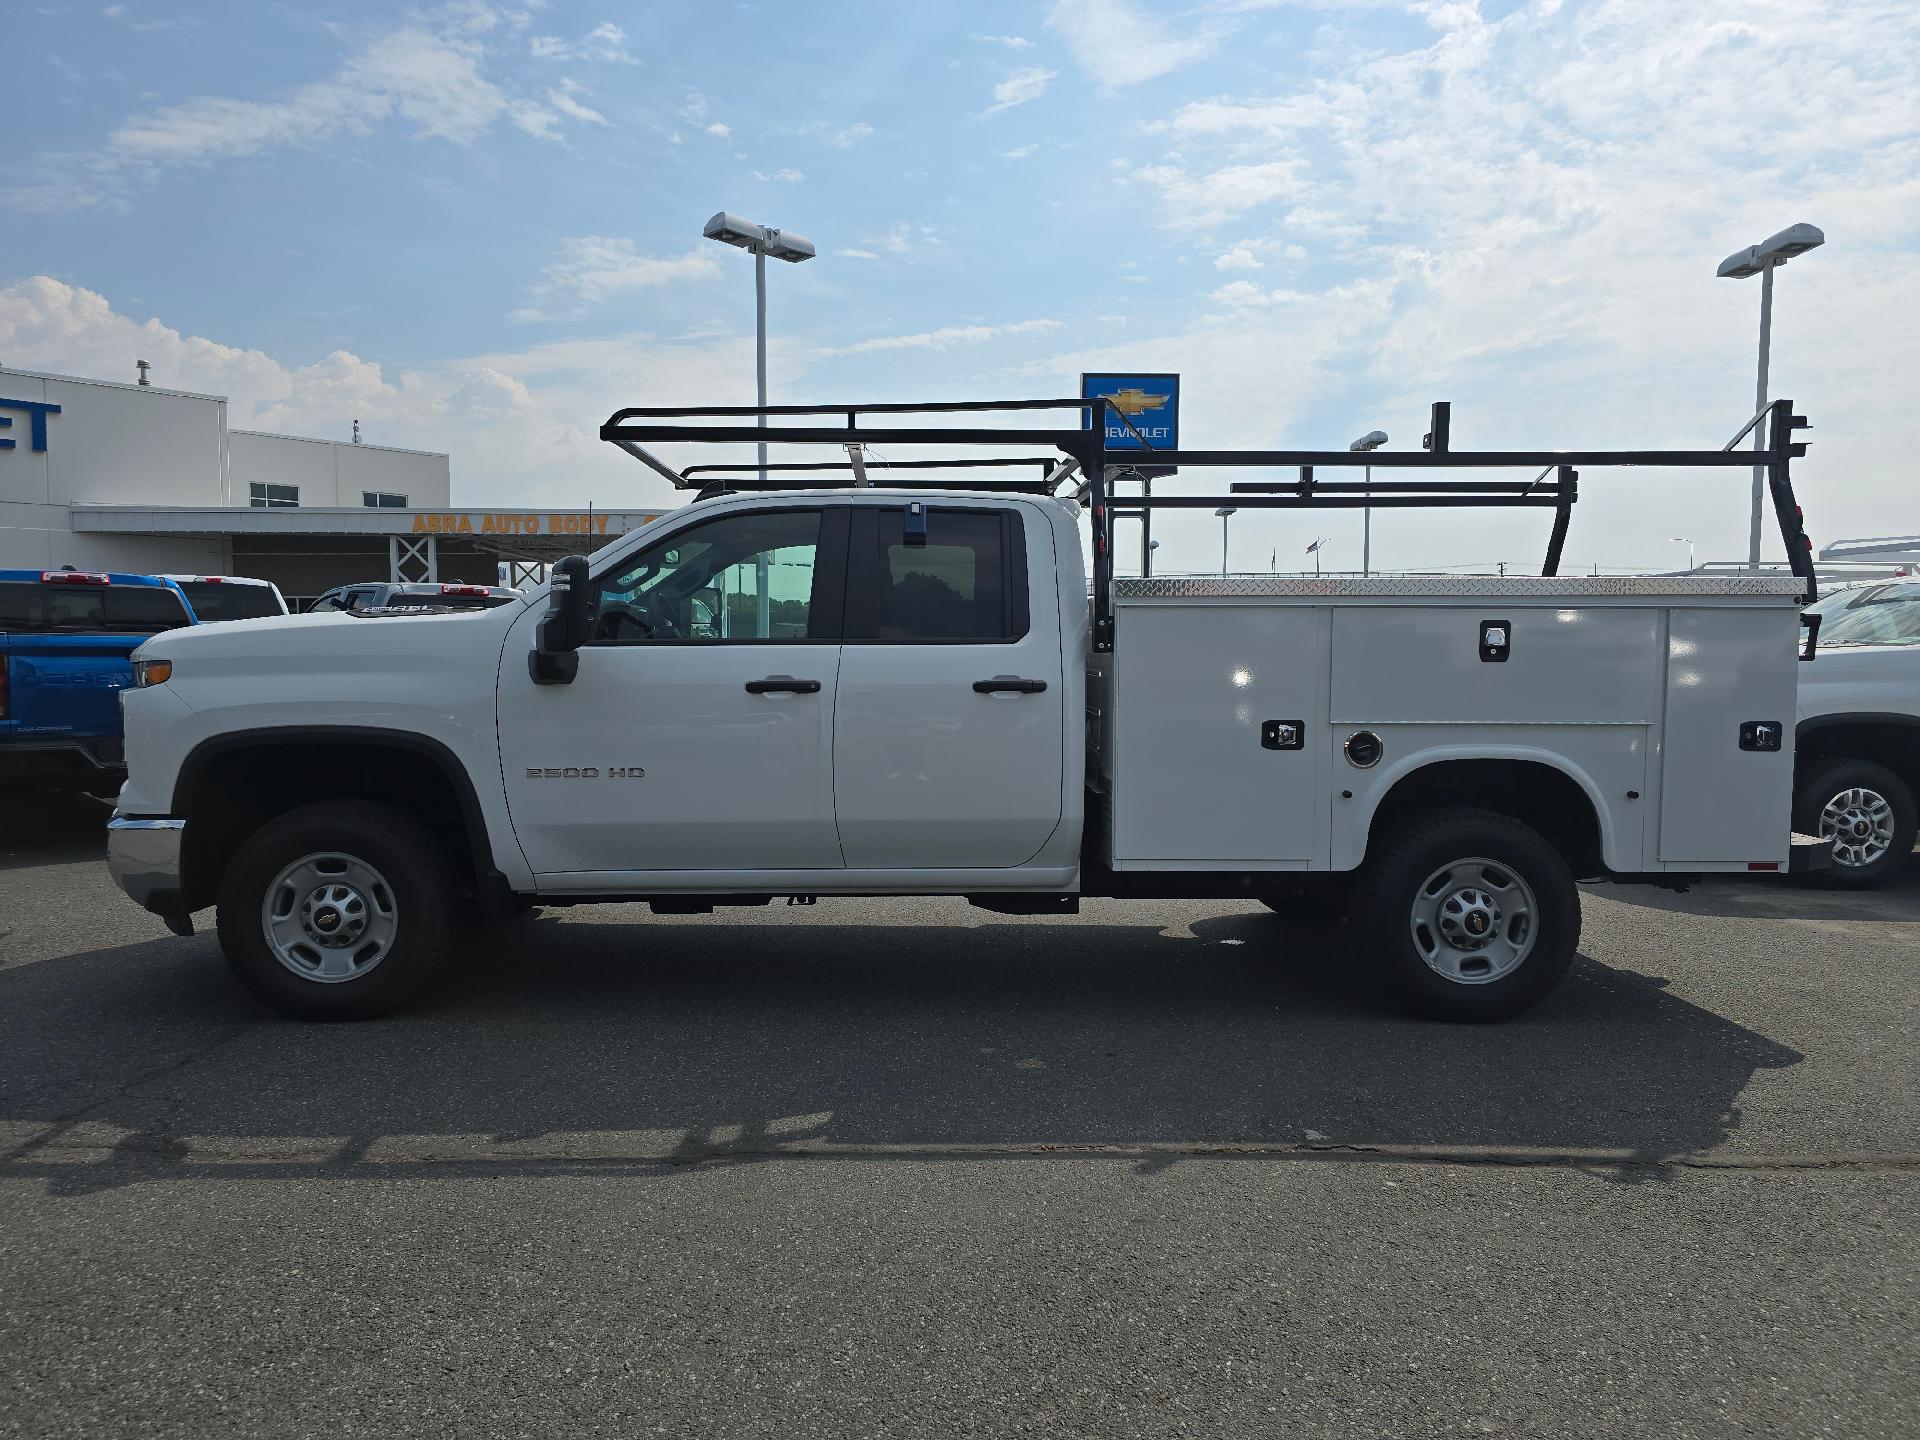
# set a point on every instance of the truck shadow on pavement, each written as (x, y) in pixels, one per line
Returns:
(647, 1045)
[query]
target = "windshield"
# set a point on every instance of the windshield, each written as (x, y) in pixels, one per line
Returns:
(1871, 615)
(224, 600)
(403, 600)
(89, 609)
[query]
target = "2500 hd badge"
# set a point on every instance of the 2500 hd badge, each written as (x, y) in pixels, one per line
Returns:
(585, 772)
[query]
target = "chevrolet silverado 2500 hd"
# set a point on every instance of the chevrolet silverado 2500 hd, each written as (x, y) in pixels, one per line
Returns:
(806, 692)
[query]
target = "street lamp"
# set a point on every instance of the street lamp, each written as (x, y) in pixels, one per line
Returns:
(1762, 260)
(762, 241)
(1225, 512)
(1686, 540)
(1372, 440)
(1152, 545)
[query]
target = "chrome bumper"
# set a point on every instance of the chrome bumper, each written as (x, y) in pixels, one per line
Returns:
(143, 856)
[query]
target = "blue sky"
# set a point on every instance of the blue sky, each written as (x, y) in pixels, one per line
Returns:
(475, 226)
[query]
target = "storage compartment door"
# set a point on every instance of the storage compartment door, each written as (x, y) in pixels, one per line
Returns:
(1196, 686)
(1720, 803)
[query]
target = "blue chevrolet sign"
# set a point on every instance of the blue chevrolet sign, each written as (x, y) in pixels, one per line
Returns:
(1144, 410)
(37, 411)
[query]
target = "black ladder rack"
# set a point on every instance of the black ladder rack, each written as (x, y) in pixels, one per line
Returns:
(1086, 470)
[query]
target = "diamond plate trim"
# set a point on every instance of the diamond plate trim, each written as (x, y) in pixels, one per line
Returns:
(1203, 587)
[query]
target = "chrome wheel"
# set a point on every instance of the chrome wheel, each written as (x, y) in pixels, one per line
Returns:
(330, 917)
(1859, 822)
(1473, 921)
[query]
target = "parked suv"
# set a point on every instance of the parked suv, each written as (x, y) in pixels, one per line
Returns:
(65, 639)
(381, 595)
(230, 597)
(1859, 732)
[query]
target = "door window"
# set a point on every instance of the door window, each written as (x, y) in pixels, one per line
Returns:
(756, 577)
(964, 582)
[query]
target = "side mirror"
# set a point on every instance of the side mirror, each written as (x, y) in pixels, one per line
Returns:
(553, 661)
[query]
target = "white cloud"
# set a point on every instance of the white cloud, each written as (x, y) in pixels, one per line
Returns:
(1119, 43)
(850, 136)
(591, 269)
(943, 339)
(521, 426)
(786, 176)
(563, 100)
(1019, 152)
(606, 42)
(853, 254)
(1018, 88)
(719, 131)
(1238, 258)
(1011, 42)
(1205, 197)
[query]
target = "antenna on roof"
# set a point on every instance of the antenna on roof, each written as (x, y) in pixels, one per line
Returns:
(143, 367)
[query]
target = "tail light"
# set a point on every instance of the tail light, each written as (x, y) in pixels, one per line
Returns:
(463, 590)
(74, 577)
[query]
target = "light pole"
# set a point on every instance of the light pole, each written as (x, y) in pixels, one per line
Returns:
(1762, 260)
(1686, 540)
(1152, 545)
(761, 241)
(1225, 512)
(1372, 440)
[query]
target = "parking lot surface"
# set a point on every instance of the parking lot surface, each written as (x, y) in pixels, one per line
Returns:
(906, 1168)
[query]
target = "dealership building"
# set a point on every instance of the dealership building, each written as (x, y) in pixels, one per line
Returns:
(105, 476)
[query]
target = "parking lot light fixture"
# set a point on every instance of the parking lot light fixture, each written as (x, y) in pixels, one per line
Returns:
(1687, 541)
(1225, 512)
(761, 241)
(1762, 260)
(1372, 440)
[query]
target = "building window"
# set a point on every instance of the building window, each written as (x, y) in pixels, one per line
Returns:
(273, 497)
(382, 500)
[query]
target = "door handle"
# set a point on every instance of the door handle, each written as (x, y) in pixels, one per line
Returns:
(1005, 684)
(778, 683)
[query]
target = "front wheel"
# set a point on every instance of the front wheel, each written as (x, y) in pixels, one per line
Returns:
(338, 911)
(1866, 813)
(1473, 915)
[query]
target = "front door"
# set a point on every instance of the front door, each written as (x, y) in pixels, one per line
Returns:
(697, 734)
(948, 738)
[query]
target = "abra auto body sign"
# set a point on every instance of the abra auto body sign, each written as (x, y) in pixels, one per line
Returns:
(507, 522)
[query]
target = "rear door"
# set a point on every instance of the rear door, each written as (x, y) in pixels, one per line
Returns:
(948, 747)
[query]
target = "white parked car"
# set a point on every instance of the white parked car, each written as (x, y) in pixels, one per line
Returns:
(1859, 732)
(230, 597)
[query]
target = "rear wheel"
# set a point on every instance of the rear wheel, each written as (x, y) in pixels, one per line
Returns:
(338, 911)
(1473, 915)
(1866, 812)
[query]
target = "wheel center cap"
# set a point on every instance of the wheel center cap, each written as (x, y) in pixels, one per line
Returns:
(327, 919)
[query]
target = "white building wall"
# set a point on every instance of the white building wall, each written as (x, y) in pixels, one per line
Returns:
(110, 444)
(331, 472)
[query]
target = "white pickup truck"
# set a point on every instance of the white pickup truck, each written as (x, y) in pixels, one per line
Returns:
(906, 691)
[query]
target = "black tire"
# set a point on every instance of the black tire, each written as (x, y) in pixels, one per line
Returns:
(1831, 778)
(1427, 842)
(424, 899)
(1318, 906)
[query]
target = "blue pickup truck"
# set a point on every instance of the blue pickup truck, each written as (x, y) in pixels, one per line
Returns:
(65, 639)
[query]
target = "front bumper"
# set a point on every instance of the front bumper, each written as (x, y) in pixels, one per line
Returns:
(143, 856)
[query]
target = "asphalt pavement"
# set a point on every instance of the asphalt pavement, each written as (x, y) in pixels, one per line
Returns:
(904, 1168)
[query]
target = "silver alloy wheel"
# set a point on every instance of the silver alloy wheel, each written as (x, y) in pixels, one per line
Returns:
(1859, 822)
(330, 917)
(1474, 921)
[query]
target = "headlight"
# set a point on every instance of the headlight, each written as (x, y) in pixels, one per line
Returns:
(151, 672)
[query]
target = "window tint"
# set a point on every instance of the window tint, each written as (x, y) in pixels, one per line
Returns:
(967, 582)
(96, 609)
(332, 600)
(740, 578)
(226, 601)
